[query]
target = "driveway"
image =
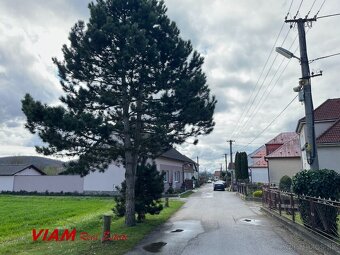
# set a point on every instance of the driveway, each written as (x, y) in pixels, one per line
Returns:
(219, 222)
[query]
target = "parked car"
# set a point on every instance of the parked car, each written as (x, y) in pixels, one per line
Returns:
(209, 181)
(219, 185)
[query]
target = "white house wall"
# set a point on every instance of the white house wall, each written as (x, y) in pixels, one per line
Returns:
(319, 129)
(97, 181)
(259, 175)
(29, 171)
(42, 183)
(279, 167)
(6, 183)
(329, 158)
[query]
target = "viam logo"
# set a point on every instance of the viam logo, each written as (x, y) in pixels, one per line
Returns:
(55, 235)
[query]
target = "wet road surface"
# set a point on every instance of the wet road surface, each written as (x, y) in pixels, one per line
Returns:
(218, 222)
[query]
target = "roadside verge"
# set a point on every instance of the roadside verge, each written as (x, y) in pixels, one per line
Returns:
(318, 241)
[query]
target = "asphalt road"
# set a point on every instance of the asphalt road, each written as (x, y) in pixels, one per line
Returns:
(217, 222)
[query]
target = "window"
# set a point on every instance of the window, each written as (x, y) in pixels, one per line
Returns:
(166, 176)
(177, 176)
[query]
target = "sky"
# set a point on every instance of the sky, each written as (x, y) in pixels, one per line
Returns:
(252, 83)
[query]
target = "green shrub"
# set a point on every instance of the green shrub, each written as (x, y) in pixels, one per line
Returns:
(285, 183)
(257, 193)
(148, 189)
(318, 183)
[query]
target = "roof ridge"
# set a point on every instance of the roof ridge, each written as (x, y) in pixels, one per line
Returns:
(328, 129)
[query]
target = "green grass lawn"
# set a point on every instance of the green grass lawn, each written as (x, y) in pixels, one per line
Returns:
(20, 214)
(186, 194)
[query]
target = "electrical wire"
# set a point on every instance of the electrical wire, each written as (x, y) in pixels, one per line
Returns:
(310, 10)
(317, 13)
(298, 9)
(328, 56)
(246, 108)
(267, 91)
(330, 15)
(284, 109)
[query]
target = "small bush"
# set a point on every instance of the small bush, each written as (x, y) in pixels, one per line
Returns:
(257, 193)
(285, 183)
(170, 190)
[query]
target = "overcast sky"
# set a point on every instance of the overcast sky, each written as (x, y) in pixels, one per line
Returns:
(236, 39)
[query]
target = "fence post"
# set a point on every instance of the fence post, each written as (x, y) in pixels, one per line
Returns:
(166, 202)
(292, 207)
(279, 202)
(270, 198)
(263, 195)
(106, 228)
(312, 212)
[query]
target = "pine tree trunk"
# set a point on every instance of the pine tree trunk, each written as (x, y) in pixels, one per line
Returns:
(130, 219)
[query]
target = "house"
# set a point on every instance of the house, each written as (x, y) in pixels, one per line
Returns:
(9, 171)
(258, 166)
(283, 156)
(327, 133)
(217, 175)
(178, 169)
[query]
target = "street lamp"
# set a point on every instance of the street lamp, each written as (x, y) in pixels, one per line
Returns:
(285, 53)
(305, 95)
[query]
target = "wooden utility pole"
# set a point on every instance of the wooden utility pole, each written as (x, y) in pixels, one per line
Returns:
(231, 162)
(311, 148)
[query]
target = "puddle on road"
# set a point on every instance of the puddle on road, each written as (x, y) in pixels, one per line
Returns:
(177, 230)
(251, 221)
(154, 247)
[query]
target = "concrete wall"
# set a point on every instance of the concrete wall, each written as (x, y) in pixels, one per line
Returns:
(279, 167)
(329, 157)
(29, 171)
(259, 175)
(113, 176)
(6, 183)
(65, 183)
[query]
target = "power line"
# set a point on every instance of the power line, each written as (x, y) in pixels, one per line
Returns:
(310, 10)
(328, 56)
(317, 13)
(330, 15)
(261, 101)
(298, 9)
(271, 122)
(245, 108)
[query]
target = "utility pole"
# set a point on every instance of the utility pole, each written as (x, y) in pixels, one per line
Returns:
(225, 159)
(231, 150)
(311, 148)
(231, 161)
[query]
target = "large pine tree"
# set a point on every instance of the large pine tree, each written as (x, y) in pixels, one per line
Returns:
(132, 88)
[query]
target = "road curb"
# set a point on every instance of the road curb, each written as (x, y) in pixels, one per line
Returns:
(318, 241)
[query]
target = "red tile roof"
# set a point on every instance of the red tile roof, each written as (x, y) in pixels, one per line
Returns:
(260, 152)
(282, 138)
(328, 110)
(331, 135)
(260, 162)
(258, 158)
(290, 149)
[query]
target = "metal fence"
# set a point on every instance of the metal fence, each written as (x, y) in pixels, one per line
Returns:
(320, 215)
